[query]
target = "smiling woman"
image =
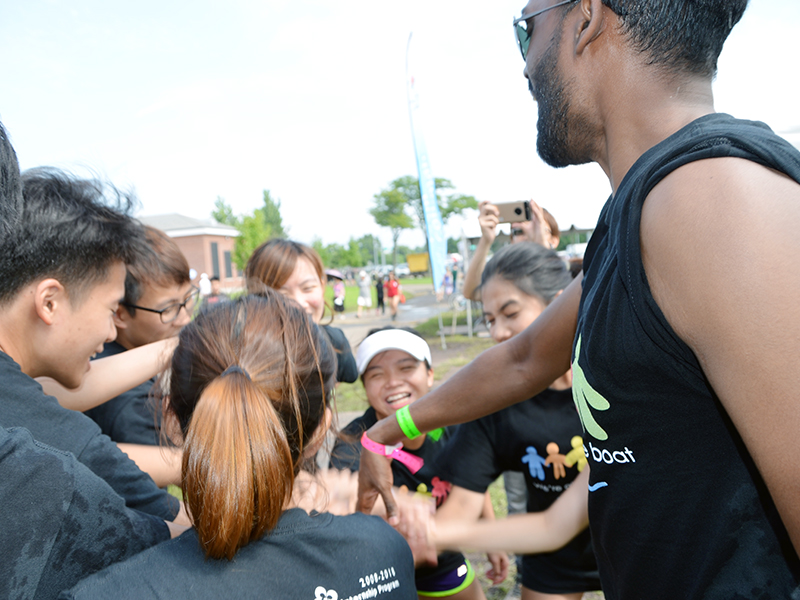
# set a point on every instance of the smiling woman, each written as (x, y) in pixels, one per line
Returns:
(296, 271)
(395, 367)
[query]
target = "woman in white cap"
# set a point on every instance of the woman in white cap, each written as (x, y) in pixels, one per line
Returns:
(395, 368)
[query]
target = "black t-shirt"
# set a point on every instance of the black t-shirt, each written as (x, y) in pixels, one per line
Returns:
(519, 438)
(346, 369)
(58, 521)
(676, 505)
(346, 454)
(306, 557)
(23, 403)
(131, 417)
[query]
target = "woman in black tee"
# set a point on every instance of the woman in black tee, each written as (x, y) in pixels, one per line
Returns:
(249, 391)
(296, 271)
(539, 437)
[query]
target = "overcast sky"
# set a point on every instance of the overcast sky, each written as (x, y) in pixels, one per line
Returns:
(188, 101)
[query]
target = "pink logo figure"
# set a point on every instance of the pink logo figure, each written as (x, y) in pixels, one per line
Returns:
(441, 489)
(556, 459)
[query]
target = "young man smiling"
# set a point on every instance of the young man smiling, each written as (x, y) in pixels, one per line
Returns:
(62, 273)
(683, 354)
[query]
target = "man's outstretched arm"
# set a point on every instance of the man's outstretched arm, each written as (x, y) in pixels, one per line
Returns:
(501, 376)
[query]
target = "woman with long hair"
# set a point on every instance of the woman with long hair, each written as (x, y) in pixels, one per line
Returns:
(296, 271)
(540, 437)
(249, 393)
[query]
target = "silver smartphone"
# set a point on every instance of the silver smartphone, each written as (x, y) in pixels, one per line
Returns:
(514, 212)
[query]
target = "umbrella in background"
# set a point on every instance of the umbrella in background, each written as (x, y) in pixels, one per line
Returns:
(334, 274)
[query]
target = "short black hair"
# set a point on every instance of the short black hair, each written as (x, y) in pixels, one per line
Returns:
(214, 278)
(679, 35)
(10, 186)
(159, 262)
(70, 229)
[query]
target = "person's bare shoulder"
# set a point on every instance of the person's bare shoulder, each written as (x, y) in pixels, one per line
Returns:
(719, 242)
(710, 228)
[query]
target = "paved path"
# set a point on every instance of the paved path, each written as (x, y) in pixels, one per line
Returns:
(420, 308)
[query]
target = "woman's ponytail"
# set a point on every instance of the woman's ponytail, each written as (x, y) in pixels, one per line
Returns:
(238, 470)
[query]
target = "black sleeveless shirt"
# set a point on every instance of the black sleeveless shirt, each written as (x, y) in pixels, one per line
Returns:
(676, 504)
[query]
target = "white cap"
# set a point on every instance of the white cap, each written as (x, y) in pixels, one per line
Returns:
(391, 339)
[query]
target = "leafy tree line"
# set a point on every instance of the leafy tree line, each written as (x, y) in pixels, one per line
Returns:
(255, 229)
(399, 206)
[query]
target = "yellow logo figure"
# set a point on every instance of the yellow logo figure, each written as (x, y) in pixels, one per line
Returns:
(585, 396)
(576, 456)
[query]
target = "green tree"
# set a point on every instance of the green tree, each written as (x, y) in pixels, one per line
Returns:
(390, 211)
(322, 250)
(449, 202)
(272, 216)
(223, 213)
(369, 247)
(255, 229)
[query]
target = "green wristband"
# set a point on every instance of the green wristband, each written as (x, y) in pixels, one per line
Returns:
(407, 423)
(436, 434)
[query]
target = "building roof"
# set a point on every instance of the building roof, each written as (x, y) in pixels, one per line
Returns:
(176, 225)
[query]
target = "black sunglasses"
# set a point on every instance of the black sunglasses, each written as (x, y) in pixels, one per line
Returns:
(171, 312)
(521, 31)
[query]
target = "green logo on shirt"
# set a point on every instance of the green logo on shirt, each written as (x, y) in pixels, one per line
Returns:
(585, 396)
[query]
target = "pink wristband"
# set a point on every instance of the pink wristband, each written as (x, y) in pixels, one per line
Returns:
(414, 463)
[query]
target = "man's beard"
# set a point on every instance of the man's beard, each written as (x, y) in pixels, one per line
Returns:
(563, 138)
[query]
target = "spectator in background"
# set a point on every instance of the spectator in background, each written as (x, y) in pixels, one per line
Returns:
(216, 295)
(393, 293)
(338, 296)
(205, 285)
(364, 293)
(381, 307)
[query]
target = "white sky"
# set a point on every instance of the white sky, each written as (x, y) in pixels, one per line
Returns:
(187, 101)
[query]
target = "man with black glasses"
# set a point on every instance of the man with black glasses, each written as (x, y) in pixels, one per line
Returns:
(159, 300)
(684, 351)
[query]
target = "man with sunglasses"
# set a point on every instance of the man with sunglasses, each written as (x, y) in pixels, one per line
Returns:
(683, 351)
(159, 300)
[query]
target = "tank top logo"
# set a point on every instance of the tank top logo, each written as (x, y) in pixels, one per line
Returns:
(587, 398)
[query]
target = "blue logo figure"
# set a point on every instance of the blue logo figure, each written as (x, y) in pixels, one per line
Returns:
(535, 463)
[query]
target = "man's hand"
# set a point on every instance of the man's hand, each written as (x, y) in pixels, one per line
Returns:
(375, 479)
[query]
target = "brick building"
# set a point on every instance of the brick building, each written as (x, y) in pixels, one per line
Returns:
(206, 243)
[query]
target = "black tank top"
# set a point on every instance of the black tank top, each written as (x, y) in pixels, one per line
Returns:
(676, 505)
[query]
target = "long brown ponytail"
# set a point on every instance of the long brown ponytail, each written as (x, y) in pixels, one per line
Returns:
(249, 385)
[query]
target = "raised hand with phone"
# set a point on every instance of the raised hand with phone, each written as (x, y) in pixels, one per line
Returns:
(529, 222)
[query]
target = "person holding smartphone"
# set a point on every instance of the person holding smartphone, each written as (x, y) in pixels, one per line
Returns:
(542, 229)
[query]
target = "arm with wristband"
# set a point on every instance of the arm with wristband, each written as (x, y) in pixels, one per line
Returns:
(503, 375)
